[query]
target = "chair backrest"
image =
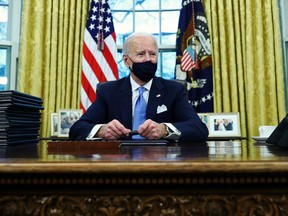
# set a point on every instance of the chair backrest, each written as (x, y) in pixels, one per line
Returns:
(184, 83)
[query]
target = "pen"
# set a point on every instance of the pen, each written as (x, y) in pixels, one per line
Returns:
(132, 133)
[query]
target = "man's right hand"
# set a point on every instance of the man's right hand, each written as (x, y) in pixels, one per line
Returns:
(112, 131)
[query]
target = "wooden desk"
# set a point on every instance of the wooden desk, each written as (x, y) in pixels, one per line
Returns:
(96, 178)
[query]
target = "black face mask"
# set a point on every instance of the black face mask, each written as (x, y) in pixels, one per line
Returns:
(145, 71)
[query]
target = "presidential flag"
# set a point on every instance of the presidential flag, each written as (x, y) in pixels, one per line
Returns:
(193, 55)
(99, 51)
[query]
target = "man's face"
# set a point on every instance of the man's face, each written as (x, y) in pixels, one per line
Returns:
(142, 49)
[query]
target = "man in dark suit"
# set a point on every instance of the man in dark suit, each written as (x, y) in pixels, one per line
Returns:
(168, 113)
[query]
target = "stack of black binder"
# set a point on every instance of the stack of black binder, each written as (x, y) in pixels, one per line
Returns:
(20, 117)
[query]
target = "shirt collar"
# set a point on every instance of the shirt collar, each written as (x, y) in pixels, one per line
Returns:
(135, 85)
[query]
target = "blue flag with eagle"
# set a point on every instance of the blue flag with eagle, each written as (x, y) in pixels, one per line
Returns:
(194, 55)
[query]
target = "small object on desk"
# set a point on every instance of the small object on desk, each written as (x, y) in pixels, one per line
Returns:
(266, 130)
(259, 138)
(132, 133)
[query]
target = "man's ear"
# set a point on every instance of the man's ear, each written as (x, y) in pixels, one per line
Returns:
(125, 59)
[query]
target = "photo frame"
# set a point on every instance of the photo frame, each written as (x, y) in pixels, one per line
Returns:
(224, 124)
(54, 124)
(66, 118)
(204, 117)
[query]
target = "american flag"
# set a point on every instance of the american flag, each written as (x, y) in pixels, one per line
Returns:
(187, 63)
(99, 51)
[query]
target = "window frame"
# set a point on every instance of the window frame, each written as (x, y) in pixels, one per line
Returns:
(12, 42)
(161, 48)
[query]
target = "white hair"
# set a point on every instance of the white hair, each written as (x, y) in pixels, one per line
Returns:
(127, 42)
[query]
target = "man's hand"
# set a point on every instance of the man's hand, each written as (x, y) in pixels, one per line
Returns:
(112, 131)
(152, 130)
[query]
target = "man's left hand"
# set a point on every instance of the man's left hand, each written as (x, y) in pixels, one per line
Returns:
(152, 130)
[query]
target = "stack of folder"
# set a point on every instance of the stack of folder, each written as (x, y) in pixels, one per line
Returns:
(20, 117)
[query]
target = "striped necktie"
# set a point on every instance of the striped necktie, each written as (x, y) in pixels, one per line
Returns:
(139, 112)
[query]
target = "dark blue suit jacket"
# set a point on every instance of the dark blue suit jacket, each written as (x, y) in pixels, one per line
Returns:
(114, 101)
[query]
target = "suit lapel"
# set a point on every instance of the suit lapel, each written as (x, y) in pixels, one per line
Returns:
(125, 102)
(155, 98)
(124, 96)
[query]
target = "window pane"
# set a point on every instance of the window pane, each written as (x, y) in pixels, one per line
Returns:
(3, 22)
(285, 19)
(167, 60)
(168, 39)
(169, 25)
(147, 22)
(170, 4)
(3, 69)
(123, 24)
(123, 70)
(147, 4)
(169, 21)
(121, 5)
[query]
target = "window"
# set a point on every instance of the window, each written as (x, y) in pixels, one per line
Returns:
(9, 40)
(4, 67)
(4, 52)
(4, 6)
(158, 17)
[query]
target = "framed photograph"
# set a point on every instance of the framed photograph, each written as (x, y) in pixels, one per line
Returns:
(204, 117)
(54, 124)
(67, 117)
(224, 125)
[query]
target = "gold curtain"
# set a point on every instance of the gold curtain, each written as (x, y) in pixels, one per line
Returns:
(51, 53)
(247, 61)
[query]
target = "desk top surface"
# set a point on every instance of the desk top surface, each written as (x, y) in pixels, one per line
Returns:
(211, 151)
